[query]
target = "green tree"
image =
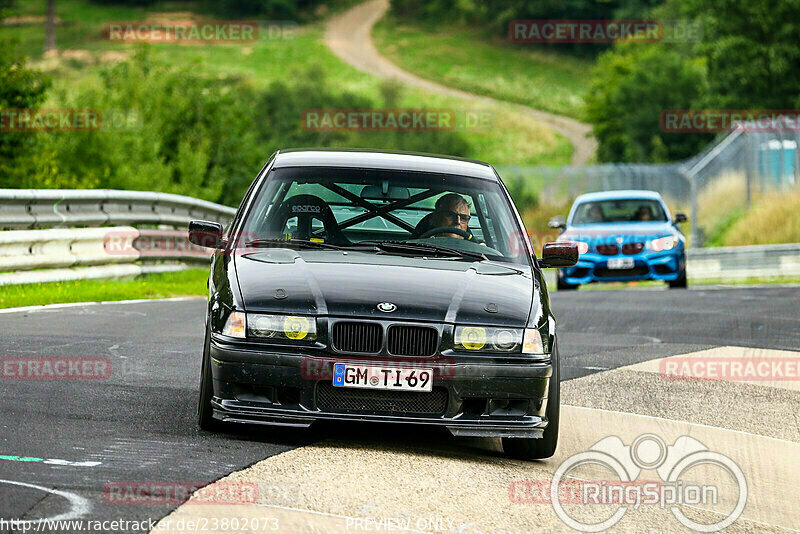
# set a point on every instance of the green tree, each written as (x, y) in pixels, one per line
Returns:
(751, 51)
(20, 88)
(629, 89)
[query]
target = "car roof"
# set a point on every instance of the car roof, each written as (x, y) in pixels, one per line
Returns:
(619, 195)
(362, 158)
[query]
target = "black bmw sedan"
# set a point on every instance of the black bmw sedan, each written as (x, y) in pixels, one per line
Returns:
(380, 286)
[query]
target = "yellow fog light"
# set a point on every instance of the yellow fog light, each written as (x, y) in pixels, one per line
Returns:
(296, 327)
(471, 337)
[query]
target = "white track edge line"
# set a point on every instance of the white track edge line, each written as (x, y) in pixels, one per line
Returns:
(685, 422)
(44, 307)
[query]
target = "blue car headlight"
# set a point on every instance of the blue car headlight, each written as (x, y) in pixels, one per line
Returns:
(663, 244)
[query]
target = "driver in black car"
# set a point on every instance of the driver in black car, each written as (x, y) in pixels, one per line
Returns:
(451, 210)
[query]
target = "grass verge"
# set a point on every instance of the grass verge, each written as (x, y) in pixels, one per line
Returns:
(473, 60)
(508, 139)
(190, 282)
(772, 219)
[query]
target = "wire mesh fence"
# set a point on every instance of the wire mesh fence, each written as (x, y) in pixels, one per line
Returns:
(725, 176)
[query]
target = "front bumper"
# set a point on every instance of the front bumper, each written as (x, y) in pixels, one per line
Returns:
(593, 267)
(271, 386)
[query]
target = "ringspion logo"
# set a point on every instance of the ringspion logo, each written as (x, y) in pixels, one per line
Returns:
(627, 462)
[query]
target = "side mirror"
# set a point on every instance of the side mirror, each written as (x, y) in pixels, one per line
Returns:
(557, 222)
(680, 218)
(560, 254)
(206, 234)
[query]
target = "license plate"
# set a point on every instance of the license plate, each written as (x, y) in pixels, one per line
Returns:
(368, 377)
(620, 263)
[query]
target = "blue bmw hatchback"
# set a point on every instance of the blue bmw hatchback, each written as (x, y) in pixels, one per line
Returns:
(623, 236)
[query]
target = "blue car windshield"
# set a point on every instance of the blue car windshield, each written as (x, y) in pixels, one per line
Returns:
(619, 211)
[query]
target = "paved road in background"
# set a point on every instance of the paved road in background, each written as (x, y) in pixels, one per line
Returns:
(140, 423)
(348, 35)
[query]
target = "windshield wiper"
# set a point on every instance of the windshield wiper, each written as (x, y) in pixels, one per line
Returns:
(424, 249)
(299, 243)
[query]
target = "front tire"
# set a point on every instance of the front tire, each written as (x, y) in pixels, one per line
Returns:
(544, 447)
(205, 418)
(562, 285)
(680, 282)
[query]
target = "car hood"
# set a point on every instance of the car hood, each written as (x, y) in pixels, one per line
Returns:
(628, 231)
(352, 284)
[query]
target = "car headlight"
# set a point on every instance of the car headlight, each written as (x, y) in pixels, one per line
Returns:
(488, 339)
(282, 327)
(235, 325)
(664, 243)
(583, 248)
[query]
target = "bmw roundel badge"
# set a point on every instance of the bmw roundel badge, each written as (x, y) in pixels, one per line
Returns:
(387, 307)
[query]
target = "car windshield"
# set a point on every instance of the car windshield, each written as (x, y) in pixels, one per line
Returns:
(392, 211)
(619, 211)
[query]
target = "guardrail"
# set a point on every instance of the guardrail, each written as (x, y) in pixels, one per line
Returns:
(51, 255)
(47, 208)
(741, 263)
(730, 264)
(31, 254)
(55, 254)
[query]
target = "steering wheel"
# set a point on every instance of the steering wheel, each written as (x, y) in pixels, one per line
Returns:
(446, 230)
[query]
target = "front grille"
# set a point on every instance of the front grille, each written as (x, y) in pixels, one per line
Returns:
(412, 340)
(603, 272)
(357, 337)
(336, 399)
(607, 250)
(632, 248)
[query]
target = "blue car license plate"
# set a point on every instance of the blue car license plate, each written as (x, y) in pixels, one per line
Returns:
(620, 263)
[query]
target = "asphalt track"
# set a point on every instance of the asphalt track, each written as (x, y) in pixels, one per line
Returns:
(139, 424)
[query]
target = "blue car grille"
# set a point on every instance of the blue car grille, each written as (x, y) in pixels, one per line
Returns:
(632, 248)
(603, 272)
